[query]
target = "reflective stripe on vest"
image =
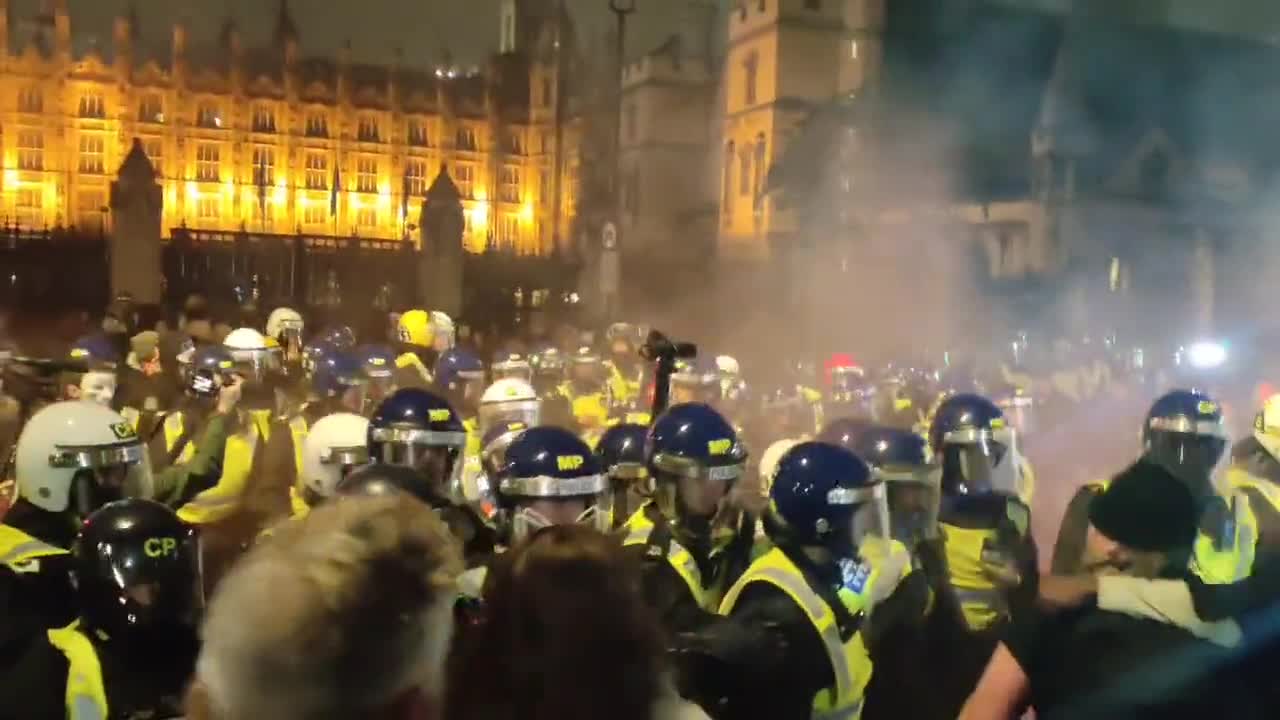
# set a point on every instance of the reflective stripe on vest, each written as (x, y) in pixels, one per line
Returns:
(18, 547)
(850, 661)
(221, 500)
(639, 528)
(472, 449)
(173, 427)
(86, 697)
(131, 416)
(969, 577)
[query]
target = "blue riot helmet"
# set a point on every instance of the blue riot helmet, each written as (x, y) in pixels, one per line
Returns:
(508, 364)
(95, 351)
(621, 454)
(340, 336)
(380, 370)
(419, 429)
(903, 460)
(209, 368)
(339, 377)
(845, 432)
(825, 496)
(695, 457)
(459, 374)
(977, 447)
(1185, 434)
(95, 359)
(696, 380)
(551, 477)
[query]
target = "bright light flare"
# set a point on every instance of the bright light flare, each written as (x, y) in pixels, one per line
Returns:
(1206, 355)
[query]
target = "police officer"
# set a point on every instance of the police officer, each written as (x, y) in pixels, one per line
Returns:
(807, 604)
(549, 477)
(379, 370)
(549, 369)
(693, 543)
(510, 365)
(587, 391)
(417, 352)
(696, 380)
(131, 651)
(1184, 433)
(621, 455)
(338, 384)
(985, 526)
(459, 377)
(626, 372)
(335, 445)
(419, 429)
(903, 460)
(71, 458)
(508, 400)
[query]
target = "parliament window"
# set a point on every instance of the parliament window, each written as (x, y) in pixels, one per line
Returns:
(415, 173)
(367, 175)
(207, 207)
(30, 150)
(150, 109)
(31, 100)
(264, 120)
(91, 151)
(315, 213)
(317, 171)
(466, 139)
(367, 217)
(264, 162)
(368, 130)
(465, 175)
(509, 191)
(514, 145)
(207, 116)
(207, 162)
(317, 125)
(418, 133)
(89, 213)
(30, 207)
(92, 106)
(154, 148)
(750, 70)
(508, 231)
(544, 186)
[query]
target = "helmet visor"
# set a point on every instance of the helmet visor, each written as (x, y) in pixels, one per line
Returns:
(518, 370)
(492, 415)
(870, 511)
(913, 495)
(981, 461)
(104, 473)
(256, 365)
(594, 510)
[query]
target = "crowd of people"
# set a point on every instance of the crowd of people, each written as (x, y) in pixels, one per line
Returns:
(277, 521)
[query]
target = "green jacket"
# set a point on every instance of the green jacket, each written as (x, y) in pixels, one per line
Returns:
(180, 482)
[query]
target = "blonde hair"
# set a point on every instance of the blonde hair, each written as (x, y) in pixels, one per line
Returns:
(334, 615)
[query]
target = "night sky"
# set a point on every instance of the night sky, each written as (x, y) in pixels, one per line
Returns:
(469, 28)
(422, 28)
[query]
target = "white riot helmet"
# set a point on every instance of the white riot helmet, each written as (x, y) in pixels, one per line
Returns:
(78, 456)
(335, 445)
(284, 322)
(510, 400)
(443, 333)
(249, 348)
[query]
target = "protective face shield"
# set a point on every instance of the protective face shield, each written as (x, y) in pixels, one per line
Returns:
(102, 474)
(98, 386)
(868, 516)
(983, 461)
(141, 591)
(696, 496)
(1191, 457)
(435, 455)
(913, 498)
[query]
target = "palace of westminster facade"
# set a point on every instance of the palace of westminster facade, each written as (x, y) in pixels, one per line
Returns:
(267, 140)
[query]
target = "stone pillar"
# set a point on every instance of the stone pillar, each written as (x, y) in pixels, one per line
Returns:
(440, 256)
(136, 205)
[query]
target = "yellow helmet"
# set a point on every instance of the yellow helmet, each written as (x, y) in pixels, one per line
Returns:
(414, 328)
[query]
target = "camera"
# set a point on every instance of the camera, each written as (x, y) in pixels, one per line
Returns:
(657, 348)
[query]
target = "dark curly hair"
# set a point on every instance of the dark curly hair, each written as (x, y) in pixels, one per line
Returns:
(566, 636)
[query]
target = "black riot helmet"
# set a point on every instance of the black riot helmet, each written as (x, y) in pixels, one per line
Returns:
(382, 479)
(136, 567)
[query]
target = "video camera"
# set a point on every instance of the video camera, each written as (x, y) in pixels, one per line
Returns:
(659, 349)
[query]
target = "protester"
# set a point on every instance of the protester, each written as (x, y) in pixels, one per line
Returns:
(345, 613)
(565, 635)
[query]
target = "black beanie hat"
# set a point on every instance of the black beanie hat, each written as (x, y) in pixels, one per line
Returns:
(1146, 508)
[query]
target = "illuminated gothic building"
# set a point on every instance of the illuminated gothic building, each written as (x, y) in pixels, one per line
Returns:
(272, 140)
